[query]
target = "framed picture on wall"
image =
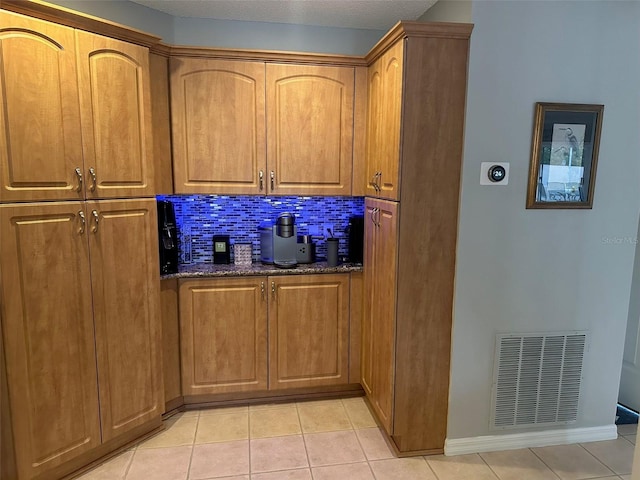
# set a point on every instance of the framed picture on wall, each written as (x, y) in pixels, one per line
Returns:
(564, 155)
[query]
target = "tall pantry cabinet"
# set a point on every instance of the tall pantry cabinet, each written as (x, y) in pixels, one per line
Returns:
(79, 287)
(417, 90)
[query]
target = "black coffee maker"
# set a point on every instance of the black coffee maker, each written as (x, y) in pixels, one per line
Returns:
(168, 237)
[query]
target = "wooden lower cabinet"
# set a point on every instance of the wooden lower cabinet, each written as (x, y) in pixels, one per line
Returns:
(79, 307)
(223, 335)
(308, 331)
(226, 346)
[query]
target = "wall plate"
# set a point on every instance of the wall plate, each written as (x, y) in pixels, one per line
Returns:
(484, 173)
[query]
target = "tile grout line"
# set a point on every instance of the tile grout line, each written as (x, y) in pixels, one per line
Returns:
(605, 465)
(193, 445)
(430, 467)
(355, 432)
(304, 442)
(489, 466)
(544, 463)
(249, 436)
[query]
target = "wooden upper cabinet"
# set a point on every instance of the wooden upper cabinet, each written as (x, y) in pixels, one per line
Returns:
(40, 145)
(115, 107)
(48, 335)
(385, 122)
(223, 334)
(310, 129)
(125, 280)
(308, 330)
(218, 126)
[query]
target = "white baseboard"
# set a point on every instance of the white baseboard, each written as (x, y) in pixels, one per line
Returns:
(512, 441)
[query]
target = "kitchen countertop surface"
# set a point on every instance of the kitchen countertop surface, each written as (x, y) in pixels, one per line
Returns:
(231, 270)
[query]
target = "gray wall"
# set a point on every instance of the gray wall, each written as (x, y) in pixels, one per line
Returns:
(449, 11)
(126, 13)
(524, 270)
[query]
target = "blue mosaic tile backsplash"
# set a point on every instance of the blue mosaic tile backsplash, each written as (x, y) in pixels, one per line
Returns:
(199, 217)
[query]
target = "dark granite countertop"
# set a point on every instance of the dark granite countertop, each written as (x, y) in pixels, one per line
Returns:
(255, 269)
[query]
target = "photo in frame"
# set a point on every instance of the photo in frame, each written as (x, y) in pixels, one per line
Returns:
(564, 155)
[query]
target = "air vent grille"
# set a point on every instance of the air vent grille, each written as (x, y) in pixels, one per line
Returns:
(537, 379)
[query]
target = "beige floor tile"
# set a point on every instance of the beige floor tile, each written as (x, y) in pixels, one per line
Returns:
(414, 468)
(274, 422)
(571, 462)
(160, 464)
(518, 465)
(112, 469)
(616, 454)
(625, 477)
(373, 443)
(358, 413)
(224, 410)
(304, 474)
(179, 431)
(266, 406)
(332, 448)
(324, 416)
(460, 467)
(223, 459)
(351, 471)
(223, 428)
(631, 438)
(631, 429)
(279, 453)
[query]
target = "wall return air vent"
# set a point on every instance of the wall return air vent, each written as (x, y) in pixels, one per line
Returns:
(537, 379)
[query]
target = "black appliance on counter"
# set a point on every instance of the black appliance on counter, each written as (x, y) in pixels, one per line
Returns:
(355, 232)
(168, 237)
(221, 249)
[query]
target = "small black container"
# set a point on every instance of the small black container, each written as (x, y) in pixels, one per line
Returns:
(221, 249)
(355, 231)
(168, 237)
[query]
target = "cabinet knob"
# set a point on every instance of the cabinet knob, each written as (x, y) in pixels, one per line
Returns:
(273, 180)
(94, 181)
(261, 177)
(79, 175)
(262, 290)
(273, 289)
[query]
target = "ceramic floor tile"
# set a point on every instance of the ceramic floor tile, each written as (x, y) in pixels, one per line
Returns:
(460, 467)
(160, 464)
(331, 448)
(304, 474)
(274, 422)
(224, 410)
(414, 468)
(615, 454)
(630, 429)
(359, 413)
(324, 416)
(266, 406)
(571, 462)
(179, 431)
(373, 443)
(279, 453)
(631, 438)
(518, 465)
(215, 460)
(625, 477)
(223, 428)
(351, 471)
(112, 469)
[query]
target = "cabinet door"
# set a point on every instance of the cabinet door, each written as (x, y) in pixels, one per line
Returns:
(218, 126)
(115, 107)
(40, 146)
(126, 282)
(310, 129)
(48, 333)
(380, 267)
(308, 330)
(374, 125)
(223, 328)
(390, 121)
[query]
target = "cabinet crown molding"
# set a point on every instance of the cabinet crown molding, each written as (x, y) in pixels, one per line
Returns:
(82, 21)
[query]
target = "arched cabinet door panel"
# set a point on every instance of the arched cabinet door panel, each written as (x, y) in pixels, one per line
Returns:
(310, 129)
(115, 106)
(218, 126)
(40, 147)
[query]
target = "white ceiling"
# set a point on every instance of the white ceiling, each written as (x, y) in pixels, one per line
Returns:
(369, 14)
